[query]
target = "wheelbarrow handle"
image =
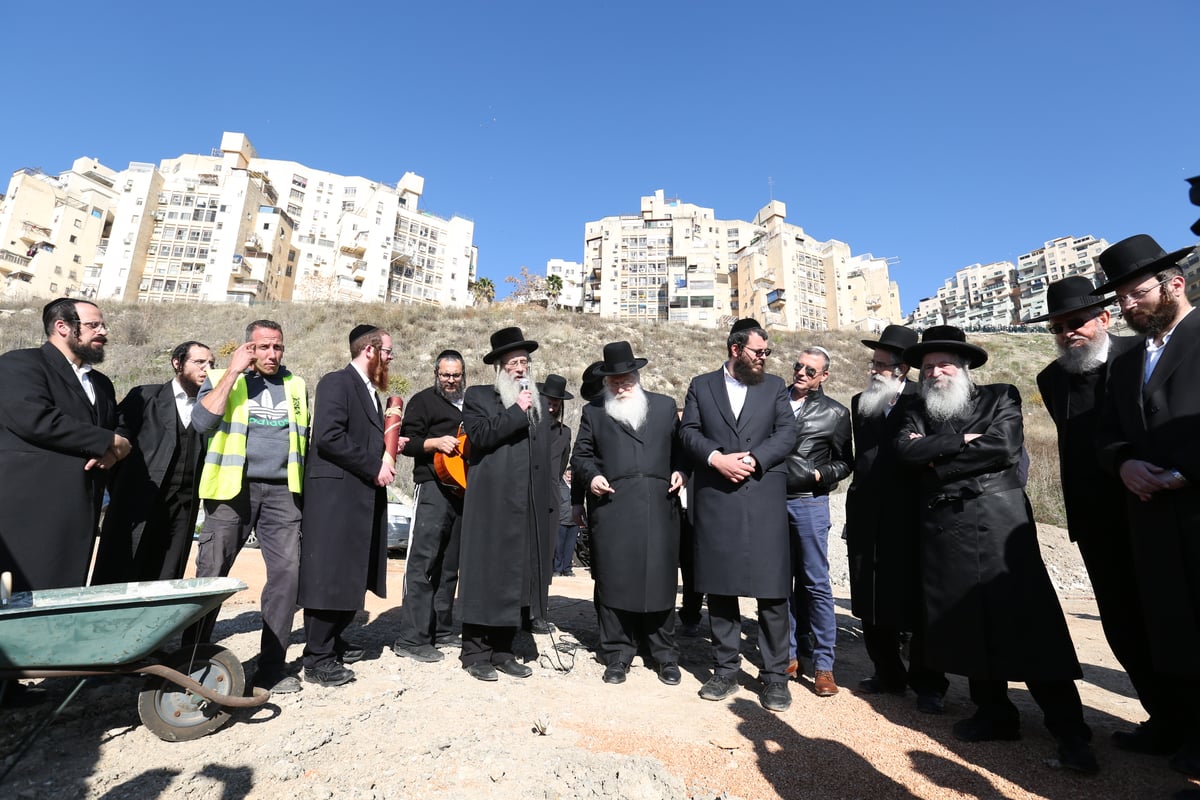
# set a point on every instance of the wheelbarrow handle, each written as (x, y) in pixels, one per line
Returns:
(259, 696)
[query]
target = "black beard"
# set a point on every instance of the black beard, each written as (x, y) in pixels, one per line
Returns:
(454, 397)
(86, 354)
(1159, 319)
(746, 374)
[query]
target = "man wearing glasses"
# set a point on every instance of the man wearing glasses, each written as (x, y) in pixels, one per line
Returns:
(431, 423)
(256, 416)
(738, 429)
(821, 457)
(57, 441)
(1148, 439)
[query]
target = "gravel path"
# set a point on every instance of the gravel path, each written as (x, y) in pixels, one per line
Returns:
(410, 730)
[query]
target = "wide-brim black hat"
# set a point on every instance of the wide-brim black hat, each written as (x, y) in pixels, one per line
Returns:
(619, 360)
(590, 384)
(555, 386)
(896, 338)
(945, 339)
(506, 340)
(1137, 255)
(1069, 294)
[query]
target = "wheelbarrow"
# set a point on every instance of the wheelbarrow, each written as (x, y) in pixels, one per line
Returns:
(119, 629)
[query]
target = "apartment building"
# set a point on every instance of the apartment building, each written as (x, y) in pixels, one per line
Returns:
(571, 273)
(219, 228)
(1054, 260)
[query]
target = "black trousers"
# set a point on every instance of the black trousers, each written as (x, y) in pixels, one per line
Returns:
(431, 567)
(883, 646)
(689, 609)
(1058, 699)
(621, 631)
(323, 635)
(726, 620)
(487, 643)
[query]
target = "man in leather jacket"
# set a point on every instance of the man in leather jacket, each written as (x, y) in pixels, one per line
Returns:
(823, 455)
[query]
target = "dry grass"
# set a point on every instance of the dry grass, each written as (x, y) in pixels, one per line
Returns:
(143, 336)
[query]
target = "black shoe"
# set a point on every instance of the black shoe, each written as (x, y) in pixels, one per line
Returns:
(276, 681)
(421, 652)
(615, 672)
(1187, 762)
(540, 626)
(982, 729)
(877, 685)
(514, 668)
(690, 630)
(330, 674)
(776, 696)
(569, 573)
(1146, 739)
(349, 652)
(449, 641)
(669, 673)
(481, 671)
(1074, 753)
(931, 703)
(718, 687)
(18, 695)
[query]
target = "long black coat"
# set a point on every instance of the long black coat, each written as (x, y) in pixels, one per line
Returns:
(882, 522)
(149, 418)
(635, 530)
(509, 512)
(343, 545)
(991, 611)
(1160, 423)
(48, 504)
(741, 545)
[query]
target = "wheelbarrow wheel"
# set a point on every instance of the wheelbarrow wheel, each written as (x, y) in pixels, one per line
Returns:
(175, 714)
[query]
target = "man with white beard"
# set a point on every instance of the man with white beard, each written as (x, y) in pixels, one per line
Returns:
(985, 585)
(627, 455)
(509, 512)
(1073, 387)
(881, 529)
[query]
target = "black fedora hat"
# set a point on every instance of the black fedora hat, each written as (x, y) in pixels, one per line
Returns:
(1137, 255)
(506, 340)
(1069, 294)
(555, 386)
(945, 339)
(590, 383)
(896, 338)
(619, 360)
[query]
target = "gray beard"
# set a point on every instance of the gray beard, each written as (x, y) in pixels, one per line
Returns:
(631, 411)
(881, 390)
(508, 389)
(1086, 357)
(950, 401)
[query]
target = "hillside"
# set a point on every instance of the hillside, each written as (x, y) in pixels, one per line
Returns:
(142, 337)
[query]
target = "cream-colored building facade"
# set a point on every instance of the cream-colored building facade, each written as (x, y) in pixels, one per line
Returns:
(230, 226)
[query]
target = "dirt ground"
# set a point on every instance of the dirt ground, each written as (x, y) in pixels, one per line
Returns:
(406, 729)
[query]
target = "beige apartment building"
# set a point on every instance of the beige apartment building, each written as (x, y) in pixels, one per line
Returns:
(230, 227)
(676, 262)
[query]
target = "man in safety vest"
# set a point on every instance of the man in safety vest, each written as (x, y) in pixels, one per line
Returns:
(256, 416)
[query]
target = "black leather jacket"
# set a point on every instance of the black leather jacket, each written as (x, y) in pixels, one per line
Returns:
(823, 443)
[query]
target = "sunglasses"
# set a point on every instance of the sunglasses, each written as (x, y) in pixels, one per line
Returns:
(809, 371)
(1072, 324)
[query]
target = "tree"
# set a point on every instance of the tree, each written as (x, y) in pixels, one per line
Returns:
(483, 290)
(527, 287)
(554, 289)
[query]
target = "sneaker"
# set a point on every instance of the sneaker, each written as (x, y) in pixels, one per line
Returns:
(421, 652)
(776, 696)
(329, 675)
(718, 687)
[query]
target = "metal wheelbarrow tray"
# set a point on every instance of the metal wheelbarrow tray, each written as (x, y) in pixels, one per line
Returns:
(118, 630)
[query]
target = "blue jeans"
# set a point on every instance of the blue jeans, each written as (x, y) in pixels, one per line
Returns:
(808, 523)
(564, 553)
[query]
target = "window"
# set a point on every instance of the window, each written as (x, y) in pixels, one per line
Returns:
(72, 238)
(75, 259)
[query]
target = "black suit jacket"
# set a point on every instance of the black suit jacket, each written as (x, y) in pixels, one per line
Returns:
(48, 430)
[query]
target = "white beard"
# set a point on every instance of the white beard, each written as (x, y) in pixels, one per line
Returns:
(1086, 357)
(881, 390)
(631, 410)
(949, 398)
(509, 389)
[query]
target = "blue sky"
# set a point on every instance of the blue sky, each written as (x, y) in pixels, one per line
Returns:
(941, 134)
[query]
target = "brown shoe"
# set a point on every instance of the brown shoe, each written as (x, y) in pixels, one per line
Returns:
(823, 684)
(793, 668)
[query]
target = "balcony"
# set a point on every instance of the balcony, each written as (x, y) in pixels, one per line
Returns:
(775, 299)
(356, 250)
(13, 258)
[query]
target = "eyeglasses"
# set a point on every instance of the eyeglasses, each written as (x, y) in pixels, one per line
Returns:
(517, 362)
(1133, 298)
(450, 376)
(387, 350)
(1072, 324)
(97, 325)
(880, 366)
(759, 352)
(809, 371)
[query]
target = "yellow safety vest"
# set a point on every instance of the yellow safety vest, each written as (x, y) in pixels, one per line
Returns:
(225, 463)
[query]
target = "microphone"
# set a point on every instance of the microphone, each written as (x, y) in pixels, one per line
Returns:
(523, 384)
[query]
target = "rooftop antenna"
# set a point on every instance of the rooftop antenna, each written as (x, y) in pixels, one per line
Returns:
(771, 187)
